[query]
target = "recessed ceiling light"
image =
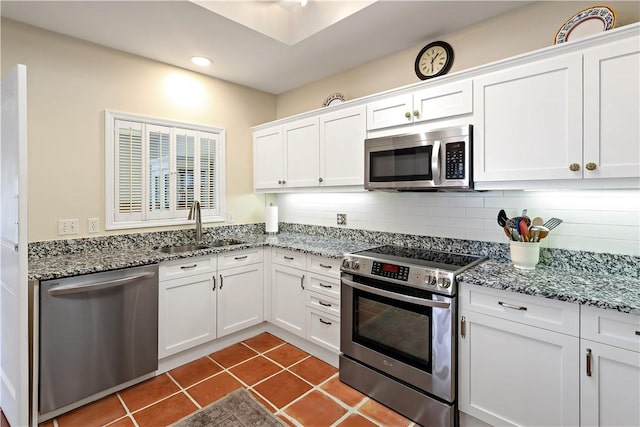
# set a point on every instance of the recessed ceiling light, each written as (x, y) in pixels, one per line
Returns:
(303, 3)
(201, 60)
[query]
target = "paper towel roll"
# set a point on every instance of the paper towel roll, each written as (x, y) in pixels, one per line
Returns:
(271, 219)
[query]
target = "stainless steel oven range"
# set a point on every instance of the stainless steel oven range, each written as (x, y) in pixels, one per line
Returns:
(398, 329)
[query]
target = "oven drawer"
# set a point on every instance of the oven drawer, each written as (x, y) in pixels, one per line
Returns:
(323, 329)
(558, 316)
(611, 327)
(321, 265)
(289, 258)
(323, 303)
(324, 285)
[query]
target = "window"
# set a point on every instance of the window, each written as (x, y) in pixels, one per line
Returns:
(156, 169)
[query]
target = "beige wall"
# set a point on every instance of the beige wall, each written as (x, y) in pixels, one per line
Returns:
(70, 83)
(523, 30)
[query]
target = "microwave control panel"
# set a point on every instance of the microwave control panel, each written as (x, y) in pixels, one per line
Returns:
(455, 160)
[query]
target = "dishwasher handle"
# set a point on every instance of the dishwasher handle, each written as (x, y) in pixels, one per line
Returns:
(88, 287)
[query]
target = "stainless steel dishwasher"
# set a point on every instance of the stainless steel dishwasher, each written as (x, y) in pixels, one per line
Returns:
(97, 331)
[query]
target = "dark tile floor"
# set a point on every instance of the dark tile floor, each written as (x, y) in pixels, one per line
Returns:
(296, 387)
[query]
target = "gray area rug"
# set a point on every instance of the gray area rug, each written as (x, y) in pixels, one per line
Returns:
(237, 409)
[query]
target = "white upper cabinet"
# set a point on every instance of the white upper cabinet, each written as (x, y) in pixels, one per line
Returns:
(436, 102)
(611, 110)
(268, 164)
(302, 144)
(342, 135)
(528, 121)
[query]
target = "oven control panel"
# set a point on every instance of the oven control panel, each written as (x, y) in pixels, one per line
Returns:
(391, 271)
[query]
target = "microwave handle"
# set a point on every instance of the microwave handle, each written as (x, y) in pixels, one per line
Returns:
(435, 162)
(396, 296)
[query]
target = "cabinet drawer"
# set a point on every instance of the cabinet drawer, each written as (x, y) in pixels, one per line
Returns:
(611, 327)
(321, 265)
(186, 267)
(322, 303)
(324, 285)
(323, 330)
(291, 258)
(540, 312)
(238, 258)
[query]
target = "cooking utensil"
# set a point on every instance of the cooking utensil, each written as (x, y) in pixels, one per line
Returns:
(507, 232)
(513, 222)
(502, 218)
(553, 223)
(537, 221)
(524, 230)
(539, 232)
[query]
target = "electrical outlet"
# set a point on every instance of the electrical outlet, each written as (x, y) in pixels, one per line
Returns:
(92, 225)
(67, 226)
(341, 219)
(229, 216)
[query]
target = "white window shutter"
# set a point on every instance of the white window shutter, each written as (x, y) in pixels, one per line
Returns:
(185, 156)
(159, 177)
(128, 171)
(209, 158)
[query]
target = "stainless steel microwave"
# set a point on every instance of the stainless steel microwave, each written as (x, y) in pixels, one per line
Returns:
(439, 159)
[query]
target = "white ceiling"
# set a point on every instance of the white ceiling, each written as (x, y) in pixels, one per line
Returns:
(267, 45)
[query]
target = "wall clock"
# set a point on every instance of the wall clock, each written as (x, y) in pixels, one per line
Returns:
(435, 59)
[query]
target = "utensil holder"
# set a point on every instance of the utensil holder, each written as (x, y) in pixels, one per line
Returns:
(525, 255)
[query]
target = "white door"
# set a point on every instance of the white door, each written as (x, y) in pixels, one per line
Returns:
(268, 158)
(302, 145)
(528, 121)
(611, 110)
(14, 334)
(240, 298)
(609, 386)
(388, 112)
(342, 135)
(288, 298)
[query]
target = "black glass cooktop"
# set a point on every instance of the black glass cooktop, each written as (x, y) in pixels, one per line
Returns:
(420, 256)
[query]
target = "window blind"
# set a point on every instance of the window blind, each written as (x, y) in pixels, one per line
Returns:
(129, 170)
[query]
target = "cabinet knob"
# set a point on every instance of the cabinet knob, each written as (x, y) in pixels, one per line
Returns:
(407, 115)
(284, 182)
(416, 113)
(320, 179)
(574, 167)
(591, 166)
(279, 181)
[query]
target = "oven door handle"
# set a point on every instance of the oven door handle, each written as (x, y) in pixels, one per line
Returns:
(396, 296)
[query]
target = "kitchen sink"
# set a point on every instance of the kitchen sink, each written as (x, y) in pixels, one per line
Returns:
(182, 248)
(226, 242)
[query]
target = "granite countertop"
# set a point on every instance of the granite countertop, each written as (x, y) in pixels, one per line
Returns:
(595, 289)
(103, 259)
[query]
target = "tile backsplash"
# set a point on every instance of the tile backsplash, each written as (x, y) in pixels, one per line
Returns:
(594, 220)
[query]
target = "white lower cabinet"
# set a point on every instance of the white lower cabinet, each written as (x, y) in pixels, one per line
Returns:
(609, 368)
(187, 304)
(198, 303)
(512, 373)
(240, 298)
(288, 297)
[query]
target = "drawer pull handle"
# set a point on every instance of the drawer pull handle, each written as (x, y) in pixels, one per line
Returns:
(588, 362)
(221, 282)
(214, 283)
(325, 266)
(638, 333)
(324, 321)
(325, 286)
(463, 327)
(289, 258)
(511, 306)
(188, 267)
(302, 282)
(238, 258)
(324, 303)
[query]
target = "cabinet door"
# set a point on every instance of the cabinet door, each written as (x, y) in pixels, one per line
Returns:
(443, 101)
(342, 135)
(268, 161)
(528, 121)
(186, 313)
(288, 299)
(240, 298)
(515, 374)
(302, 145)
(611, 110)
(610, 388)
(393, 111)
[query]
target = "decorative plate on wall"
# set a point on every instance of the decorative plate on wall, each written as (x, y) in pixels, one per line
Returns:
(333, 99)
(587, 22)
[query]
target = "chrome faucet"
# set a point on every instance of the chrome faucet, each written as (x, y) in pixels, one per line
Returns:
(195, 213)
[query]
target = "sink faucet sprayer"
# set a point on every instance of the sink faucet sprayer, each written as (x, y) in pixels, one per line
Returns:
(194, 213)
